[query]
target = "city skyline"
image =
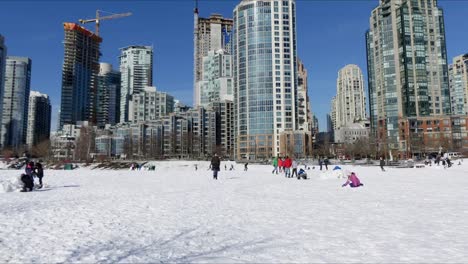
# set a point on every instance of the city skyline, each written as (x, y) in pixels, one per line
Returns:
(324, 50)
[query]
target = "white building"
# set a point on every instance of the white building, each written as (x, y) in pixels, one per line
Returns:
(350, 102)
(136, 68)
(39, 118)
(458, 72)
(217, 83)
(352, 132)
(210, 34)
(150, 104)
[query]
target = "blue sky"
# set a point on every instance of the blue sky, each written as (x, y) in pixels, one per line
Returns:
(330, 35)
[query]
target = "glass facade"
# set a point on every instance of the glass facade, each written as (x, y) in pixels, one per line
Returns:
(459, 85)
(16, 101)
(265, 77)
(407, 65)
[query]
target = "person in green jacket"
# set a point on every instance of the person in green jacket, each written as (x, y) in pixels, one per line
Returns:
(275, 165)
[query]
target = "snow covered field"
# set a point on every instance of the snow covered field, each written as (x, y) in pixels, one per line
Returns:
(177, 214)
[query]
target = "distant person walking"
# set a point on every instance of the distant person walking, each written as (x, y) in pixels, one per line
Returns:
(215, 164)
(245, 166)
(275, 165)
(382, 163)
(320, 163)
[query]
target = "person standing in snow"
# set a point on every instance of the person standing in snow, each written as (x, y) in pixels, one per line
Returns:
(39, 173)
(353, 181)
(280, 164)
(245, 166)
(287, 163)
(382, 163)
(275, 165)
(215, 164)
(326, 162)
(294, 168)
(320, 163)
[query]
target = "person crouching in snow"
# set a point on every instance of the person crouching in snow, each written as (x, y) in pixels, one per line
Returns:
(353, 181)
(28, 182)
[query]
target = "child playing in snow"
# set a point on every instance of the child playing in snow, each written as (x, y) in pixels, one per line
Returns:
(353, 181)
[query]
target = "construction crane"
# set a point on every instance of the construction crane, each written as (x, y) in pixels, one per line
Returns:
(98, 19)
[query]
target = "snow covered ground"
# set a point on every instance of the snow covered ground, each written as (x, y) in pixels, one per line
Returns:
(177, 214)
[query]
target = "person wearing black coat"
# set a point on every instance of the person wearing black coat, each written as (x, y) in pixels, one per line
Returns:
(382, 163)
(39, 173)
(215, 165)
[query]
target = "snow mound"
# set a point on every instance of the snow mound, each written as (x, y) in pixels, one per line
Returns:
(334, 174)
(10, 185)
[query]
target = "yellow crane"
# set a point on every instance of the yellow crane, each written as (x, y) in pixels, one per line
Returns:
(99, 18)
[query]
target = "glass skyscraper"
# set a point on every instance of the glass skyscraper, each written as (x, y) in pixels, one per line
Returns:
(39, 115)
(15, 102)
(79, 75)
(407, 66)
(265, 75)
(108, 95)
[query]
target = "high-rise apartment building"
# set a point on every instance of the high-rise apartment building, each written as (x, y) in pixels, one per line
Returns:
(150, 105)
(216, 84)
(136, 67)
(79, 75)
(210, 34)
(15, 102)
(265, 76)
(304, 110)
(407, 66)
(458, 72)
(108, 96)
(333, 114)
(3, 54)
(39, 118)
(350, 98)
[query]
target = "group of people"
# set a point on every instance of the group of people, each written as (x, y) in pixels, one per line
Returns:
(32, 170)
(288, 166)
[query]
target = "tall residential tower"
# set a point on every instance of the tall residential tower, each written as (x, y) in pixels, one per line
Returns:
(79, 75)
(459, 85)
(108, 95)
(407, 66)
(136, 68)
(39, 118)
(15, 102)
(3, 54)
(210, 34)
(265, 75)
(350, 98)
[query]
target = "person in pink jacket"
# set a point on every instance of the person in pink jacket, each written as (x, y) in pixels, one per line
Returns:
(353, 181)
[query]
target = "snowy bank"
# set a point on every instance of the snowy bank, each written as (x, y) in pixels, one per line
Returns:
(179, 214)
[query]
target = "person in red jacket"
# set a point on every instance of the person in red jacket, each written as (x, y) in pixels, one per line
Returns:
(287, 167)
(280, 164)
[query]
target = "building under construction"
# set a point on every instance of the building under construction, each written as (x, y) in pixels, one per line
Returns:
(79, 75)
(210, 34)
